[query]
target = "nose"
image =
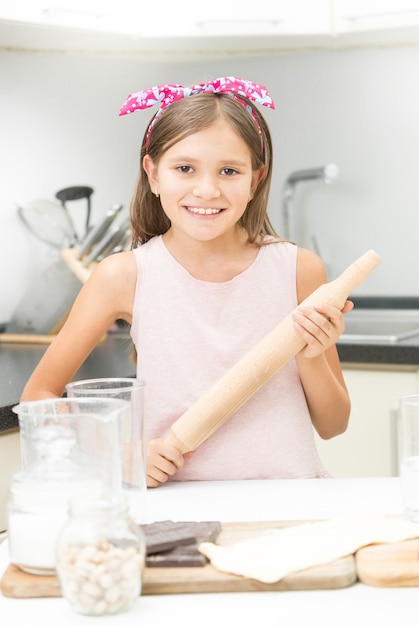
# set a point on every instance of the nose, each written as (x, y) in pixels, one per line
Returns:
(206, 187)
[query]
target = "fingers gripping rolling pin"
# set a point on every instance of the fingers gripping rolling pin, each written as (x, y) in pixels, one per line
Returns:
(257, 366)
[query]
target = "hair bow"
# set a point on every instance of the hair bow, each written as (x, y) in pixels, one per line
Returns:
(167, 94)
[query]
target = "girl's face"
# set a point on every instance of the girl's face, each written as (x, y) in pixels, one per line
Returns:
(205, 181)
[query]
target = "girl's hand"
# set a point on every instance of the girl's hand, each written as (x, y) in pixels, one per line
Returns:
(163, 461)
(320, 326)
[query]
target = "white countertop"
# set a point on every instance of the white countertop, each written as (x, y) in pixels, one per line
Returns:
(251, 501)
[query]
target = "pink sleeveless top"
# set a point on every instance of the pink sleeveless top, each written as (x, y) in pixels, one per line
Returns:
(188, 332)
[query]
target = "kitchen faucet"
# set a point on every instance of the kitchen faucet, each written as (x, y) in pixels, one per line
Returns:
(327, 174)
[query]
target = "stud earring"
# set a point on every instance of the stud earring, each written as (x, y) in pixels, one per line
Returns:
(157, 195)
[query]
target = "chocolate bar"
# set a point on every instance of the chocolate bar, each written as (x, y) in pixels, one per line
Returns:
(181, 556)
(163, 536)
(175, 544)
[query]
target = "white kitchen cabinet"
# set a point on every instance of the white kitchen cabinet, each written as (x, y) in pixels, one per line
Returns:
(221, 18)
(369, 446)
(214, 29)
(216, 18)
(351, 16)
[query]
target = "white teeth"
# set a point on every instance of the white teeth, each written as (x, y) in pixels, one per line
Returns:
(204, 211)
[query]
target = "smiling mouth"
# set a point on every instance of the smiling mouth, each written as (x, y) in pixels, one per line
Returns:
(202, 211)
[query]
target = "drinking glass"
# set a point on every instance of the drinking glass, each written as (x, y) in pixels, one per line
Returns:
(132, 453)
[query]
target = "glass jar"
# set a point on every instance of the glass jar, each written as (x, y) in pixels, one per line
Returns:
(38, 500)
(100, 556)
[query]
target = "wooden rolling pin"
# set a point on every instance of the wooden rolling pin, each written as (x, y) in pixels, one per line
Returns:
(258, 365)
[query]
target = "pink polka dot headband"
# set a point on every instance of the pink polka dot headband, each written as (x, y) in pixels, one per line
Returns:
(167, 94)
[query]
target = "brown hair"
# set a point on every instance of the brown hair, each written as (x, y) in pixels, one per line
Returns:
(183, 118)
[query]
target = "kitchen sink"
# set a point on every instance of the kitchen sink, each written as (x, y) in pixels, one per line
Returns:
(380, 325)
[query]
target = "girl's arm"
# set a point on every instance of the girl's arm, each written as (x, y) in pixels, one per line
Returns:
(107, 295)
(318, 362)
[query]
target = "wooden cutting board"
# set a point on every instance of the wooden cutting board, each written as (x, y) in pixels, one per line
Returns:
(389, 564)
(166, 580)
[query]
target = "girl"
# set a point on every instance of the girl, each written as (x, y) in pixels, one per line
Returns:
(206, 279)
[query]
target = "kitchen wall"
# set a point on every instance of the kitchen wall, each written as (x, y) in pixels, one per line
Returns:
(357, 108)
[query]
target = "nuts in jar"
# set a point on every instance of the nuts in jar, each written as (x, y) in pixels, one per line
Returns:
(100, 557)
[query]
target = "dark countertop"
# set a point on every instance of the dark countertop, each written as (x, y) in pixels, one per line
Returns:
(401, 353)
